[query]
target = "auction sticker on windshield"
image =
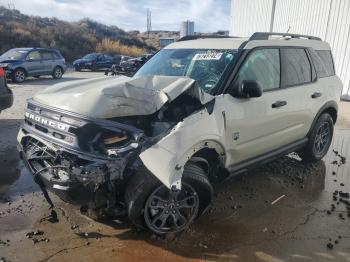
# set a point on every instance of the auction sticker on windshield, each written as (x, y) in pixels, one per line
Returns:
(208, 56)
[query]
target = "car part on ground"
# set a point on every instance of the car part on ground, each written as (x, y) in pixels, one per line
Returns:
(6, 95)
(21, 63)
(152, 145)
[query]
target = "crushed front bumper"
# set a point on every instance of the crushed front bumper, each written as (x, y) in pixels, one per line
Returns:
(76, 183)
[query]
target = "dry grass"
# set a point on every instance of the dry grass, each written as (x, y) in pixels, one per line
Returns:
(116, 47)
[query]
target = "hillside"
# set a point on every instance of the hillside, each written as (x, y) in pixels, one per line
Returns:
(73, 39)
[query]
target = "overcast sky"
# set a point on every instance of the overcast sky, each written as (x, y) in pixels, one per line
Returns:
(208, 15)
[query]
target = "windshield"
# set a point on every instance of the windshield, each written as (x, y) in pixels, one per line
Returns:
(14, 54)
(90, 57)
(206, 66)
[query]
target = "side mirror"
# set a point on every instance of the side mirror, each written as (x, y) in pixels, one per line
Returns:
(30, 60)
(251, 88)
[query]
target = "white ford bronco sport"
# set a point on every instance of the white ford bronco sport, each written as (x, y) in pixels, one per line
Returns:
(151, 147)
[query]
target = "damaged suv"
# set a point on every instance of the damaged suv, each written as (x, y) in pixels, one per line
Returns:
(151, 147)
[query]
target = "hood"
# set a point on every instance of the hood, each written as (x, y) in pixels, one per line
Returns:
(9, 61)
(108, 97)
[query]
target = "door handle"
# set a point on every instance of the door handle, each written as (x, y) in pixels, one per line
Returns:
(316, 95)
(279, 104)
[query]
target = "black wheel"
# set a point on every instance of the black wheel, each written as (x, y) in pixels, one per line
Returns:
(169, 211)
(57, 72)
(19, 75)
(77, 69)
(94, 68)
(320, 139)
(154, 206)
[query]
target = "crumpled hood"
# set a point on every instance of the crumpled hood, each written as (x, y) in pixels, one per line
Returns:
(107, 97)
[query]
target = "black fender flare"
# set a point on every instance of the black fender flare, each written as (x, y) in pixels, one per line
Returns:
(328, 105)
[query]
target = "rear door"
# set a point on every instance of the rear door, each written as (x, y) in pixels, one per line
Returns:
(48, 61)
(299, 76)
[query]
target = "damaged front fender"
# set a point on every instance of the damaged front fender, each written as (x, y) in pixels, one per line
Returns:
(167, 158)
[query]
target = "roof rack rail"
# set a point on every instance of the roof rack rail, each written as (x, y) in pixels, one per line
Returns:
(265, 36)
(195, 37)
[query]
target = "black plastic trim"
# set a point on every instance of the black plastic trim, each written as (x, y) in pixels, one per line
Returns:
(267, 157)
(329, 104)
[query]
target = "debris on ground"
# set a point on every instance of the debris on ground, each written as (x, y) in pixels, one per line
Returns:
(330, 245)
(277, 200)
(5, 243)
(53, 218)
(344, 195)
(33, 235)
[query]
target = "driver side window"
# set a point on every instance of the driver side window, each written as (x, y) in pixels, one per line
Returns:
(263, 66)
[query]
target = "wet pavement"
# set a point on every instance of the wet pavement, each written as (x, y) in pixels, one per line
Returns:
(244, 222)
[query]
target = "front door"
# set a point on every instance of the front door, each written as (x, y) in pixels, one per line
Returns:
(255, 126)
(34, 64)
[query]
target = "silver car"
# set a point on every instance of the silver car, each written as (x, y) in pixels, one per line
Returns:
(21, 63)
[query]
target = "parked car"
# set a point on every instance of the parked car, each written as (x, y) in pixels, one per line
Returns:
(94, 62)
(199, 111)
(20, 63)
(6, 96)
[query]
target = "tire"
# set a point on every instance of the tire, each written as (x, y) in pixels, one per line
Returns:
(94, 68)
(57, 72)
(77, 69)
(19, 75)
(36, 76)
(143, 185)
(320, 139)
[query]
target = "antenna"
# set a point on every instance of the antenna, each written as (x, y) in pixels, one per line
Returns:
(288, 29)
(149, 22)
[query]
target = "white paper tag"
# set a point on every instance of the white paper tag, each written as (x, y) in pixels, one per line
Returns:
(207, 56)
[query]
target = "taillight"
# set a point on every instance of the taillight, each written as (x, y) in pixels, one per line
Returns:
(2, 72)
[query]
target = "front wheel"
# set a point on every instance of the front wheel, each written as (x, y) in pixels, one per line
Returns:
(19, 75)
(320, 139)
(154, 206)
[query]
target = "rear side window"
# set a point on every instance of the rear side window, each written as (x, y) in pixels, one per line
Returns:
(263, 66)
(323, 62)
(296, 67)
(46, 55)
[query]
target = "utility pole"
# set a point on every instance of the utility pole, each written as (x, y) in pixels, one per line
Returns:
(149, 22)
(272, 15)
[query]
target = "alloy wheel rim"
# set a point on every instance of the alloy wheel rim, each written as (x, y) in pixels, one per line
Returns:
(322, 138)
(58, 73)
(171, 211)
(19, 76)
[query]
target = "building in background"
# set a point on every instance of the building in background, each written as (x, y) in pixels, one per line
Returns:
(164, 41)
(187, 28)
(328, 19)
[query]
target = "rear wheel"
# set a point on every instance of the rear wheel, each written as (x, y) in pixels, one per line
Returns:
(320, 139)
(19, 75)
(154, 206)
(57, 72)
